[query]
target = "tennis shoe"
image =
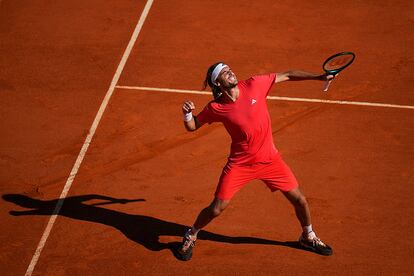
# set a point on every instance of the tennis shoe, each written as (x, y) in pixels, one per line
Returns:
(185, 252)
(316, 245)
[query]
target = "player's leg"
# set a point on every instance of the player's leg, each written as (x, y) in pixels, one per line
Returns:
(232, 179)
(212, 211)
(278, 176)
(206, 215)
(301, 206)
(308, 238)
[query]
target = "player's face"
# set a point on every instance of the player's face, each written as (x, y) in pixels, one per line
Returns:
(227, 79)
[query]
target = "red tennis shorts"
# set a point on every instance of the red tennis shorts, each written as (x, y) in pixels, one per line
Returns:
(276, 175)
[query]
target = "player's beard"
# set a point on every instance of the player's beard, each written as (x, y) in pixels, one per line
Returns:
(231, 85)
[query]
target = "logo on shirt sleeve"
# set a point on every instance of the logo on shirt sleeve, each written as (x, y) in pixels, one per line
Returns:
(253, 101)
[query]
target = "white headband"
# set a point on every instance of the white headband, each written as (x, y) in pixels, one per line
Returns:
(217, 71)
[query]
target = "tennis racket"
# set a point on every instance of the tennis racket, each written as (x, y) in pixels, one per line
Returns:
(335, 64)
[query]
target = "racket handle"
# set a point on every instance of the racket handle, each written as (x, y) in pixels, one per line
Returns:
(327, 84)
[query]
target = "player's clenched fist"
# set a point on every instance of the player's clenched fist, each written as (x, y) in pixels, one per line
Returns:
(188, 107)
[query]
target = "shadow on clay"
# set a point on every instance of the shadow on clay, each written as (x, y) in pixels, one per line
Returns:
(142, 229)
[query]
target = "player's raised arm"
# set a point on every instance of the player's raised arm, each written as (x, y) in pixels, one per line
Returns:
(190, 122)
(297, 75)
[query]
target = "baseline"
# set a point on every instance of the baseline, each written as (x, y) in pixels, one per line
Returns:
(277, 98)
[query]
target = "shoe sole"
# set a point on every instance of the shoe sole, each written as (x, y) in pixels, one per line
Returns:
(180, 256)
(311, 248)
(183, 257)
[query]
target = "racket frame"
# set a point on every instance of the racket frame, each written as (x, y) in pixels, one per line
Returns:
(335, 71)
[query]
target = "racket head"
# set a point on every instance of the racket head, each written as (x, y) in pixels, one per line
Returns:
(338, 62)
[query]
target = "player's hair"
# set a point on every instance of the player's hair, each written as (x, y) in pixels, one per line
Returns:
(214, 88)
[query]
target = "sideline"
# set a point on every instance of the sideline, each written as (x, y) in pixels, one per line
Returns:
(88, 139)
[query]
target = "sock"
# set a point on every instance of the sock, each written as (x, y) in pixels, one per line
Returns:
(307, 228)
(308, 231)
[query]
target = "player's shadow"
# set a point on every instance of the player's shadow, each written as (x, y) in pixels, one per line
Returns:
(142, 229)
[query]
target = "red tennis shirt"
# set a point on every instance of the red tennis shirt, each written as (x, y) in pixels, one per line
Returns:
(247, 121)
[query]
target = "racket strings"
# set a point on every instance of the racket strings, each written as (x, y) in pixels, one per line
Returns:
(338, 62)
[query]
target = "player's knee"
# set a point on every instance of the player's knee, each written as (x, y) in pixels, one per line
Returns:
(215, 212)
(217, 208)
(302, 202)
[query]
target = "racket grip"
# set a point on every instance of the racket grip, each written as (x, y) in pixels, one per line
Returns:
(326, 86)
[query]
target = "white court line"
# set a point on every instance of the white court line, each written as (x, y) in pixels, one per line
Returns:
(270, 97)
(88, 139)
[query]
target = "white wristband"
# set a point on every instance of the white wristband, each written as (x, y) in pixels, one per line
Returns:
(188, 117)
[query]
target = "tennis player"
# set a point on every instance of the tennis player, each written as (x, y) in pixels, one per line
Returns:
(241, 107)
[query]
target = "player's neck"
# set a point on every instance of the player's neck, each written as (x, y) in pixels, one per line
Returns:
(231, 94)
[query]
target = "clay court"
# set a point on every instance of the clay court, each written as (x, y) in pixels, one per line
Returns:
(90, 111)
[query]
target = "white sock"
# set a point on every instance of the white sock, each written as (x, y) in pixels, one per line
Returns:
(308, 231)
(307, 228)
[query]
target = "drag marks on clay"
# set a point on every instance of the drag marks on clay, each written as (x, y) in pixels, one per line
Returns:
(292, 119)
(145, 152)
(318, 202)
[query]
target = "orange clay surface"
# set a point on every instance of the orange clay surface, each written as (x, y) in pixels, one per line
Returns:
(144, 179)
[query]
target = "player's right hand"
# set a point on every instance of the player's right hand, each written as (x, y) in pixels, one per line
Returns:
(188, 107)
